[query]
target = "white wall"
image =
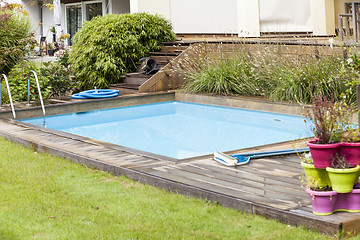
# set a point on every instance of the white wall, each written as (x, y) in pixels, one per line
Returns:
(285, 16)
(323, 17)
(48, 16)
(161, 7)
(204, 16)
(248, 18)
(34, 15)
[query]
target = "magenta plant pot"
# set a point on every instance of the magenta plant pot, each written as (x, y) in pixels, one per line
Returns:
(351, 151)
(349, 202)
(323, 154)
(323, 203)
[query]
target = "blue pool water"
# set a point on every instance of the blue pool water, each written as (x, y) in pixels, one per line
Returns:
(180, 130)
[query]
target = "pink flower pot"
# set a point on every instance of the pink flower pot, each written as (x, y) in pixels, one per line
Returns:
(351, 151)
(323, 203)
(323, 154)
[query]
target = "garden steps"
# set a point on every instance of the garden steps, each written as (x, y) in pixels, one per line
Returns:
(133, 81)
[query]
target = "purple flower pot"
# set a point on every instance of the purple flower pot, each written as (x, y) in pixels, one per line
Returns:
(323, 154)
(351, 151)
(349, 202)
(323, 203)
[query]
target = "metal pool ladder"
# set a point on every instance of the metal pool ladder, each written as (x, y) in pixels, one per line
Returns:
(38, 87)
(8, 89)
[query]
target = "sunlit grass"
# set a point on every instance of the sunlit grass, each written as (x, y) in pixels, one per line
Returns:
(45, 197)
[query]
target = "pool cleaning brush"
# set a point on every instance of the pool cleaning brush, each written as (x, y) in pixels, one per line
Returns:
(245, 158)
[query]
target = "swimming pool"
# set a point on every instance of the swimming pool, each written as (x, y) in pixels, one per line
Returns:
(180, 130)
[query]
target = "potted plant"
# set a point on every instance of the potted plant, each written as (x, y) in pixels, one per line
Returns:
(324, 116)
(349, 202)
(312, 173)
(342, 176)
(323, 199)
(51, 49)
(350, 146)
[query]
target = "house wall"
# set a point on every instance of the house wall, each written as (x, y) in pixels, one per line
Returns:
(119, 6)
(161, 7)
(323, 17)
(204, 16)
(285, 16)
(244, 17)
(48, 16)
(34, 14)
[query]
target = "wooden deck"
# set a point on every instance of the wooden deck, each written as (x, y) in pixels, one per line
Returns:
(269, 186)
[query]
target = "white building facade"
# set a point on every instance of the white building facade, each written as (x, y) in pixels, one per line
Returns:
(243, 18)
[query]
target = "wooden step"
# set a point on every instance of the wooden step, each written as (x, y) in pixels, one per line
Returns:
(162, 58)
(124, 85)
(136, 80)
(176, 43)
(123, 91)
(135, 74)
(165, 53)
(173, 48)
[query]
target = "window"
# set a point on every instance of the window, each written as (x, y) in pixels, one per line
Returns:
(93, 10)
(73, 19)
(79, 12)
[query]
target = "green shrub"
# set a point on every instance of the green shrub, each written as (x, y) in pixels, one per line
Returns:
(110, 45)
(18, 83)
(14, 35)
(59, 78)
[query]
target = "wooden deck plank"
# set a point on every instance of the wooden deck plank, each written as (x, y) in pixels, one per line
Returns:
(237, 189)
(227, 191)
(249, 179)
(244, 171)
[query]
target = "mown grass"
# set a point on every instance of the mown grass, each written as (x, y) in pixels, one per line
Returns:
(46, 197)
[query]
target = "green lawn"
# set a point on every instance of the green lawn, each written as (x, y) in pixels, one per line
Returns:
(46, 197)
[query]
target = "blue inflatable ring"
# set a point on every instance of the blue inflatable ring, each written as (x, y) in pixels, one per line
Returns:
(96, 93)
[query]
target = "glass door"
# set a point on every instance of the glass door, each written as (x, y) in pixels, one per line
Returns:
(73, 19)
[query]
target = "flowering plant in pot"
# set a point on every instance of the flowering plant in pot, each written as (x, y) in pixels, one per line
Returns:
(323, 199)
(324, 117)
(342, 175)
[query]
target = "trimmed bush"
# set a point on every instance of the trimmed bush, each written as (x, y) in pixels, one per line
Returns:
(14, 35)
(110, 45)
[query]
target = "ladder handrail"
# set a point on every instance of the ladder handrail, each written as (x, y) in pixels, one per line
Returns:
(38, 87)
(8, 88)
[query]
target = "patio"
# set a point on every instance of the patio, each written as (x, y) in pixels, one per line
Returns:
(269, 187)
